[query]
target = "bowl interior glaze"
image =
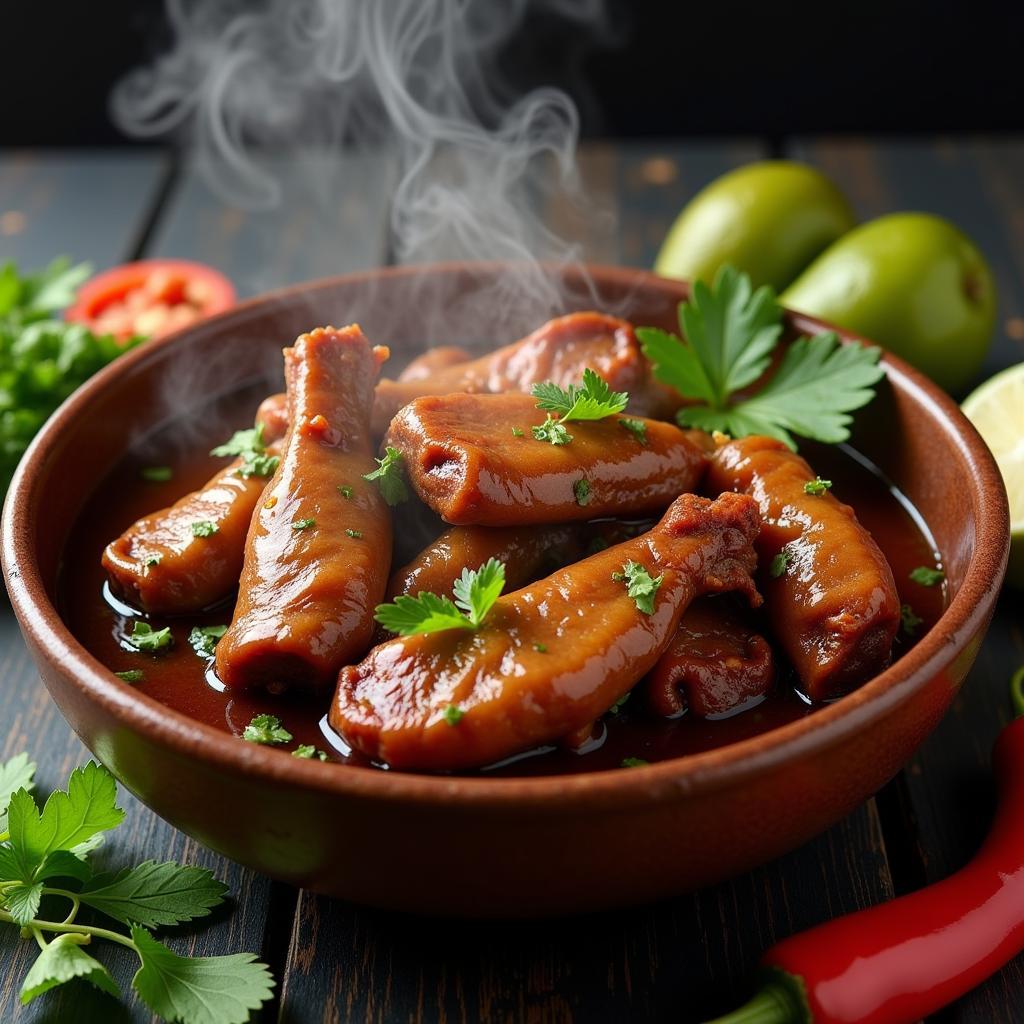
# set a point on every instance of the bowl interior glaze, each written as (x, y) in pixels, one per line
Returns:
(823, 764)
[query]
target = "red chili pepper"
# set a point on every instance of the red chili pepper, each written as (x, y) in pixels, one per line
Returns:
(905, 959)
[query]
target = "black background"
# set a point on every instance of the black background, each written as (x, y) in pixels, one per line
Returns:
(656, 68)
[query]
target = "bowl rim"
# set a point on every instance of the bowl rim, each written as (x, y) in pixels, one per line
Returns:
(703, 773)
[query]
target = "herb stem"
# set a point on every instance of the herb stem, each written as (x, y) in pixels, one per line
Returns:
(38, 936)
(73, 897)
(75, 929)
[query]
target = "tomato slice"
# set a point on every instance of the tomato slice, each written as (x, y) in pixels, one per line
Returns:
(151, 298)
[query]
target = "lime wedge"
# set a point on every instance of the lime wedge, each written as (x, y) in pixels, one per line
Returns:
(997, 410)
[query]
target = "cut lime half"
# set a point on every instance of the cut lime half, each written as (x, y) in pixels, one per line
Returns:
(997, 410)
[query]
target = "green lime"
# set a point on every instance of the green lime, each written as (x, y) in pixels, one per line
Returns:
(997, 410)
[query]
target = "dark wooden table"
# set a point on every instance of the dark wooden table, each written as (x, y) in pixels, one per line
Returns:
(683, 960)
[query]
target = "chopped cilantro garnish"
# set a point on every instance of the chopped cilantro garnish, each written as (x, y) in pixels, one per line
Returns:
(145, 638)
(204, 639)
(731, 332)
(582, 491)
(389, 477)
(204, 528)
(131, 675)
(248, 445)
(518, 432)
(154, 558)
(541, 648)
(303, 524)
(354, 534)
(307, 750)
(909, 620)
(475, 591)
(778, 564)
(617, 706)
(156, 474)
(633, 762)
(552, 431)
(346, 491)
(636, 427)
(266, 729)
(453, 714)
(259, 466)
(817, 486)
(640, 585)
(927, 576)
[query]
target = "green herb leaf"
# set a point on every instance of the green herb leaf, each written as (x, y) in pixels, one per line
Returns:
(633, 762)
(636, 427)
(69, 818)
(66, 864)
(927, 576)
(131, 675)
(303, 524)
(518, 432)
(145, 638)
(22, 901)
(475, 590)
(730, 333)
(346, 492)
(154, 894)
(354, 534)
(453, 714)
(592, 400)
(204, 528)
(640, 585)
(909, 620)
(266, 729)
(199, 990)
(817, 486)
(15, 773)
(63, 960)
(778, 564)
(307, 750)
(389, 477)
(541, 648)
(552, 431)
(204, 639)
(156, 474)
(581, 489)
(617, 706)
(259, 466)
(242, 443)
(153, 559)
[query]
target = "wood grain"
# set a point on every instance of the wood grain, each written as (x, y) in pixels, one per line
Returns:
(948, 793)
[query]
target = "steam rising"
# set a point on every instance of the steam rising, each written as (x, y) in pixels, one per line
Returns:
(477, 165)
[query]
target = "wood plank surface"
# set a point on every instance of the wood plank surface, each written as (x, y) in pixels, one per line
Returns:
(948, 792)
(86, 205)
(683, 960)
(94, 206)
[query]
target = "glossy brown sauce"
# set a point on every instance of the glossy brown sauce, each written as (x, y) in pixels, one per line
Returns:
(186, 682)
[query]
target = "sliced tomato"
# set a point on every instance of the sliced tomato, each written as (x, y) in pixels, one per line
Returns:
(151, 298)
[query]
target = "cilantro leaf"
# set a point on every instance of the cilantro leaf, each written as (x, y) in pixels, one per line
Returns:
(242, 443)
(731, 331)
(204, 639)
(266, 729)
(779, 564)
(636, 427)
(389, 477)
(16, 773)
(204, 528)
(131, 675)
(452, 714)
(592, 400)
(817, 486)
(552, 431)
(640, 585)
(199, 990)
(155, 894)
(62, 960)
(145, 638)
(475, 591)
(909, 619)
(581, 491)
(307, 751)
(65, 864)
(927, 576)
(69, 818)
(38, 295)
(22, 901)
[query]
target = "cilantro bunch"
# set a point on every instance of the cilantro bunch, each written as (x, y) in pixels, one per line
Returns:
(729, 334)
(42, 358)
(44, 856)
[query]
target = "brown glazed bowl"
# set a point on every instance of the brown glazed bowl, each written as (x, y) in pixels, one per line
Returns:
(491, 846)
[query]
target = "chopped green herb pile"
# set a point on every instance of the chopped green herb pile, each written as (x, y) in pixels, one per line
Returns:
(731, 332)
(475, 591)
(203, 639)
(42, 358)
(817, 486)
(927, 576)
(389, 477)
(639, 585)
(204, 528)
(266, 729)
(552, 431)
(145, 638)
(249, 447)
(46, 854)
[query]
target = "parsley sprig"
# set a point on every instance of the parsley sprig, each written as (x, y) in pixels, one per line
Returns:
(475, 591)
(731, 332)
(591, 400)
(389, 476)
(46, 854)
(249, 446)
(640, 585)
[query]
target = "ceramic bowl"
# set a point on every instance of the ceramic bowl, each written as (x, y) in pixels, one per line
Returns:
(491, 846)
